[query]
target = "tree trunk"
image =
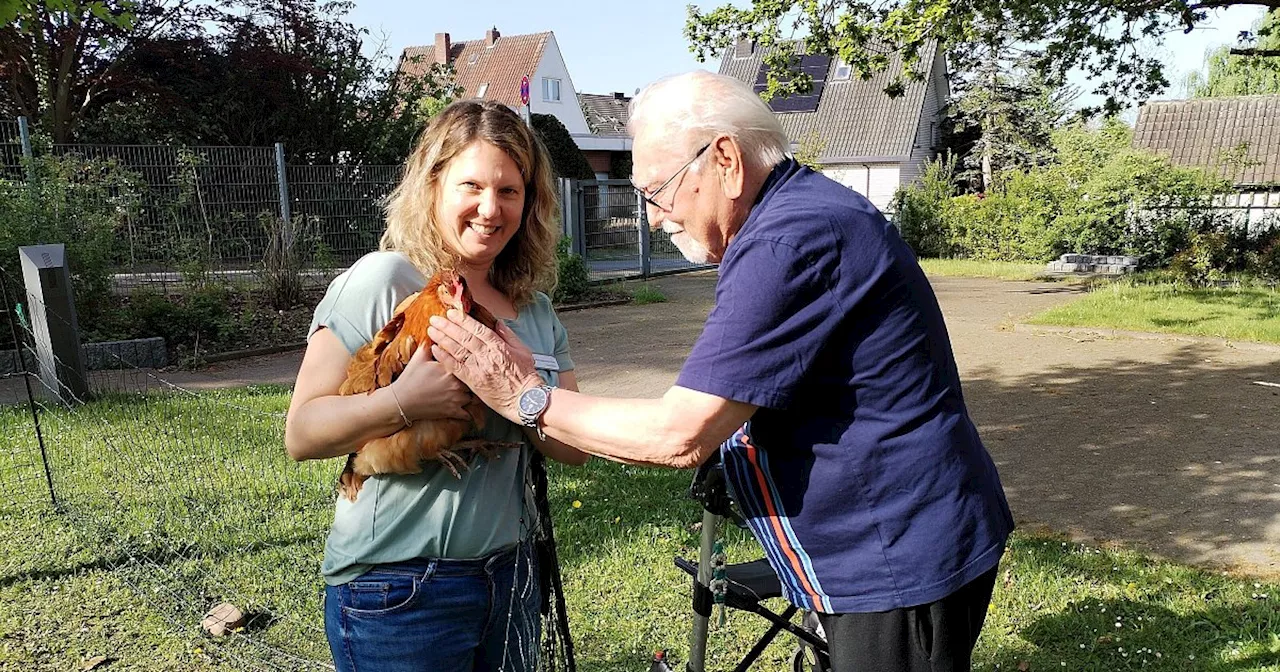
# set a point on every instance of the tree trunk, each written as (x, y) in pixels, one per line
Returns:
(986, 166)
(988, 132)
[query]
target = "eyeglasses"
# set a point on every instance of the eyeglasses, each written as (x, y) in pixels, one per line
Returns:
(650, 198)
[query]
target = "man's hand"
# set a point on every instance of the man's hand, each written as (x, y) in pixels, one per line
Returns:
(496, 368)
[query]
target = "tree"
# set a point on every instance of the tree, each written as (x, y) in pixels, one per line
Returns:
(1102, 38)
(61, 60)
(266, 71)
(1255, 71)
(566, 159)
(1012, 114)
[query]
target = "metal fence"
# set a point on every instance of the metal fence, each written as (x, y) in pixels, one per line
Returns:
(607, 223)
(179, 214)
(176, 215)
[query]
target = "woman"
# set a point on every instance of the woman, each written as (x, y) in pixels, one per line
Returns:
(430, 571)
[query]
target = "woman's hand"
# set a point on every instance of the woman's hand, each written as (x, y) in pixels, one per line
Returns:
(427, 391)
(496, 368)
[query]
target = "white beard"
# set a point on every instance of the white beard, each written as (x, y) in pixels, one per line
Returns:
(692, 250)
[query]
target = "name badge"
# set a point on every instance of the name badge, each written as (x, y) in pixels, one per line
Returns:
(545, 362)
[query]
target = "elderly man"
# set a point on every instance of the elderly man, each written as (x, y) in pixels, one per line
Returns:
(824, 375)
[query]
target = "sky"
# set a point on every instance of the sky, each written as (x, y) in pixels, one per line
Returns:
(622, 46)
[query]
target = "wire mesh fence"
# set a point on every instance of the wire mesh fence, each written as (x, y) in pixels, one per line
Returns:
(609, 219)
(181, 216)
(342, 206)
(11, 150)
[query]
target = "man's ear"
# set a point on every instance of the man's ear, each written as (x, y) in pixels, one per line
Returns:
(727, 162)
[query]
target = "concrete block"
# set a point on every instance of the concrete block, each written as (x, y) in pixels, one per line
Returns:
(140, 353)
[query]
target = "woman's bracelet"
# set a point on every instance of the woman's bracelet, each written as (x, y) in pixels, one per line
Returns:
(399, 407)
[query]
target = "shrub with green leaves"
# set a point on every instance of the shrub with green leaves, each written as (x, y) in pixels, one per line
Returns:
(574, 277)
(1203, 261)
(85, 204)
(199, 315)
(1099, 196)
(920, 210)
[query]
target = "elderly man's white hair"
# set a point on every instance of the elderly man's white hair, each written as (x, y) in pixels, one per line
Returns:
(695, 107)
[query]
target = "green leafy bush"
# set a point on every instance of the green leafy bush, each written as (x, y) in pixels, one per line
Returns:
(1100, 196)
(85, 204)
(620, 165)
(198, 316)
(1204, 260)
(920, 210)
(1266, 261)
(573, 276)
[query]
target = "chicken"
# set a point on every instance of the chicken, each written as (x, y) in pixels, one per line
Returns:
(381, 360)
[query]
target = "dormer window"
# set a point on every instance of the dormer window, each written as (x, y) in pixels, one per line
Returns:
(843, 70)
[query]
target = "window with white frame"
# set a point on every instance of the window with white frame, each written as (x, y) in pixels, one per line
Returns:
(480, 91)
(551, 89)
(843, 71)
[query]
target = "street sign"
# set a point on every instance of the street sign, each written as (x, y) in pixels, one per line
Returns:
(524, 90)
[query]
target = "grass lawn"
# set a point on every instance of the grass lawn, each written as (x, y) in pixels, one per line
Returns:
(174, 502)
(975, 268)
(1246, 313)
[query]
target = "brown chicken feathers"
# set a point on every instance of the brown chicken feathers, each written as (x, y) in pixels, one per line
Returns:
(380, 361)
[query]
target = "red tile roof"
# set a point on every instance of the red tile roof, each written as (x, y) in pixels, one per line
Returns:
(500, 66)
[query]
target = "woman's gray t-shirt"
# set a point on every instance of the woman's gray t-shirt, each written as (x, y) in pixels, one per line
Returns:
(432, 514)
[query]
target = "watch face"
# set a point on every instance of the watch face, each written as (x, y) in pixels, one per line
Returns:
(533, 400)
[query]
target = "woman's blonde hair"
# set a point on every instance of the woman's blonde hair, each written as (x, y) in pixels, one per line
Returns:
(528, 262)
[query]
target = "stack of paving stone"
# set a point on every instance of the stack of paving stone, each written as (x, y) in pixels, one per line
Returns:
(1100, 264)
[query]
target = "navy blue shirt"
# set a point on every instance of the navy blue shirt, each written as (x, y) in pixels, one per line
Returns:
(861, 474)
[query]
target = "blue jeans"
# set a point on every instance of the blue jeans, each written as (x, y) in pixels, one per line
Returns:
(438, 615)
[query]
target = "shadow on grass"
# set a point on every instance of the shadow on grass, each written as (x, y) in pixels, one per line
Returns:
(1151, 636)
(1099, 610)
(1264, 303)
(1170, 323)
(155, 555)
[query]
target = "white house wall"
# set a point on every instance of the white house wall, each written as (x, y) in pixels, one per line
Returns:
(567, 109)
(929, 130)
(1259, 211)
(877, 181)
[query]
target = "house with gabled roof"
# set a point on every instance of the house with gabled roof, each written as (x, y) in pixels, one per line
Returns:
(1235, 137)
(492, 67)
(868, 141)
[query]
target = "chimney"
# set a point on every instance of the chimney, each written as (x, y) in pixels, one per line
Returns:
(743, 48)
(491, 36)
(618, 95)
(442, 48)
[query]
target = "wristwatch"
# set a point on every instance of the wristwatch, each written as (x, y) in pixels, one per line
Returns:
(533, 403)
